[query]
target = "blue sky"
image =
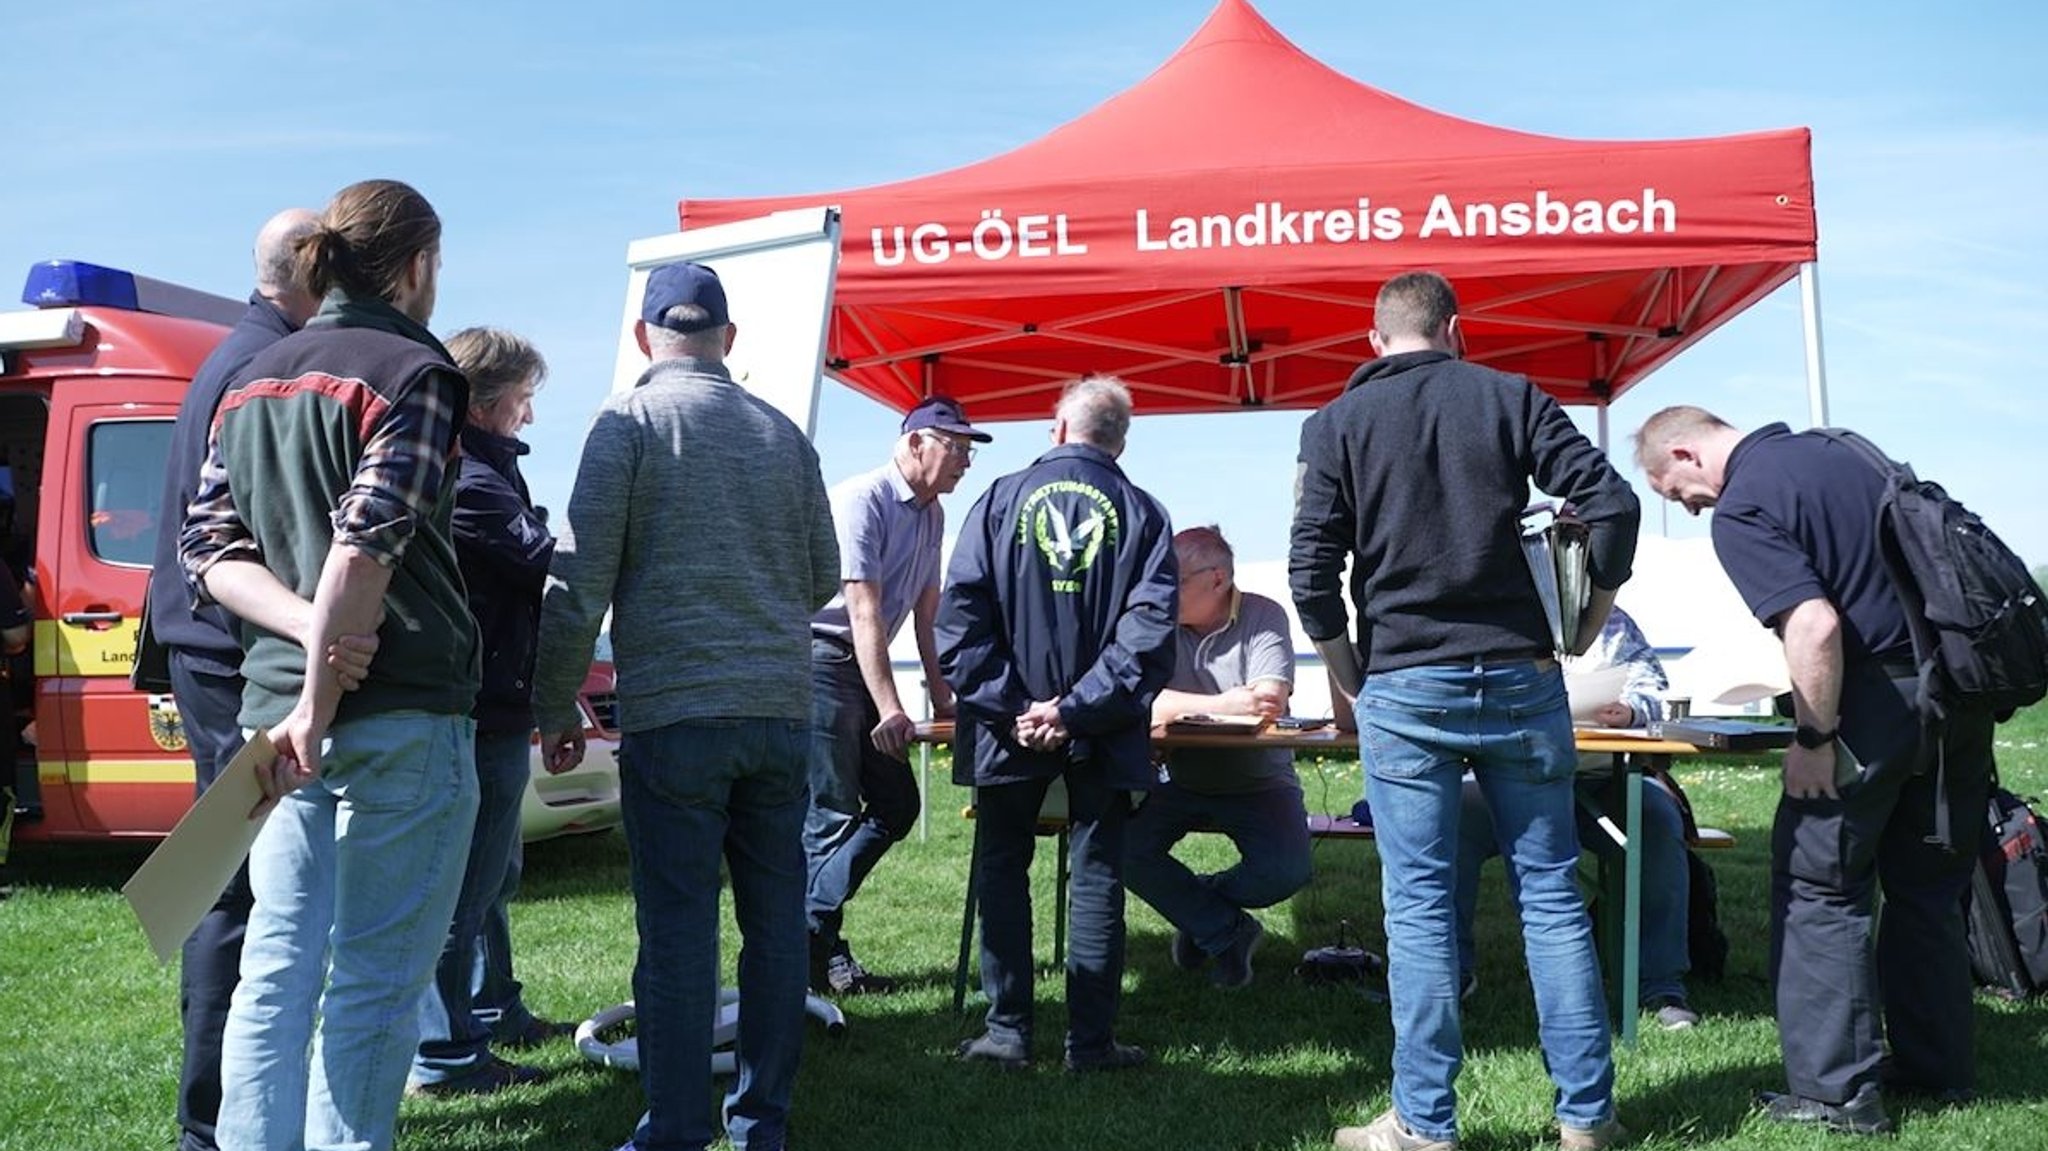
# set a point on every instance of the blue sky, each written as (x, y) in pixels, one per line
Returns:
(158, 137)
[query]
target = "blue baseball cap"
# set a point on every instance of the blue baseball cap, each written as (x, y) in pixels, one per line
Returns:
(944, 414)
(673, 285)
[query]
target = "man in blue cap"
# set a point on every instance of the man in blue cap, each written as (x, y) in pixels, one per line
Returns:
(863, 794)
(699, 517)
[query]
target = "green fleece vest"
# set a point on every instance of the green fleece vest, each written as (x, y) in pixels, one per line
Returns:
(292, 434)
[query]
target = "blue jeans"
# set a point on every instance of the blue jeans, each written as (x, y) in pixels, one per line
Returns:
(1667, 879)
(1419, 730)
(692, 793)
(497, 998)
(355, 878)
(452, 1040)
(1006, 818)
(862, 801)
(1270, 830)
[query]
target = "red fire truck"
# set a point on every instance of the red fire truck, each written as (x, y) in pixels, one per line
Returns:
(90, 381)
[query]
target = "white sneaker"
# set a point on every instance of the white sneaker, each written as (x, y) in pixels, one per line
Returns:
(1674, 1014)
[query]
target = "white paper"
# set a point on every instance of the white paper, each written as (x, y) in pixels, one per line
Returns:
(1594, 731)
(184, 876)
(1592, 690)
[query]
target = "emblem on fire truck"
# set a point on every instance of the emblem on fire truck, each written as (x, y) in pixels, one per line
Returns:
(166, 727)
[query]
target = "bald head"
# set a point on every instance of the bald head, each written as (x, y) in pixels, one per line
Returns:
(276, 248)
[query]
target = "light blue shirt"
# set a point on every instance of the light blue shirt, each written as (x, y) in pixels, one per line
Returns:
(886, 539)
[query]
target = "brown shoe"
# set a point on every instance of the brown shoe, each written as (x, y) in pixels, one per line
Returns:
(1608, 1134)
(1388, 1133)
(1008, 1054)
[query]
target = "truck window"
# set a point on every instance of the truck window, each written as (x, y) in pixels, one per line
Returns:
(24, 421)
(126, 462)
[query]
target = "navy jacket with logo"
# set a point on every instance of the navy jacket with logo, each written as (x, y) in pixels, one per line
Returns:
(1063, 584)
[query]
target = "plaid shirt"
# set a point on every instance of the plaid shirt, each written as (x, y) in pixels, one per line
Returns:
(396, 480)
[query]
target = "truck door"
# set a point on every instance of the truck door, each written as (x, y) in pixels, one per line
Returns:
(120, 755)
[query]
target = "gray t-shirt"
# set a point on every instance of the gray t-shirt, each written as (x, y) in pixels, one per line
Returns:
(1255, 644)
(885, 538)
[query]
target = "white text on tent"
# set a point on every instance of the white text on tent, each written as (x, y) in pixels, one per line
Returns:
(1545, 216)
(1270, 222)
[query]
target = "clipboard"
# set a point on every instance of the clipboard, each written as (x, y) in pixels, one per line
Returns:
(1202, 723)
(173, 889)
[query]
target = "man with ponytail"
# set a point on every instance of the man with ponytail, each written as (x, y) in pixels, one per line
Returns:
(372, 796)
(203, 661)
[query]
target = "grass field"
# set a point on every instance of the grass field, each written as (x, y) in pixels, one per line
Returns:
(89, 1039)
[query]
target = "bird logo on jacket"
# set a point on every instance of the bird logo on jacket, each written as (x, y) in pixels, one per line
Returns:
(1069, 523)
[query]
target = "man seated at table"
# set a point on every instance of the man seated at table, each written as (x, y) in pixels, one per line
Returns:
(1235, 656)
(1666, 874)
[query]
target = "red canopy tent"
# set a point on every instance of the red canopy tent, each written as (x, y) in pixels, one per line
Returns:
(1216, 234)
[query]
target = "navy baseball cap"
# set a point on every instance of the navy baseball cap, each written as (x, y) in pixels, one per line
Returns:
(672, 285)
(944, 414)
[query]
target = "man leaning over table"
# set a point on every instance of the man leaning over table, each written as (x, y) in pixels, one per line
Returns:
(863, 794)
(1234, 656)
(1666, 874)
(1873, 994)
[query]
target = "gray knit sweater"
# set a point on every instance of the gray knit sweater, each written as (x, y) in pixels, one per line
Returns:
(699, 518)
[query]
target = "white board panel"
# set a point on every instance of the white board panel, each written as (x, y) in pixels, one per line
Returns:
(778, 273)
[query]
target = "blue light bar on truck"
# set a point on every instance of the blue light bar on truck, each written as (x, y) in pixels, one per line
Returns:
(76, 283)
(69, 283)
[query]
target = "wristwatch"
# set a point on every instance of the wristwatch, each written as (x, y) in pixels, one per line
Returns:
(1813, 737)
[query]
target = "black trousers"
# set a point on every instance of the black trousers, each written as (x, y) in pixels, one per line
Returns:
(212, 959)
(1007, 815)
(1842, 991)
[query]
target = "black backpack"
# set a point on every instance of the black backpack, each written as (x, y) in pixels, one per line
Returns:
(2006, 906)
(1979, 621)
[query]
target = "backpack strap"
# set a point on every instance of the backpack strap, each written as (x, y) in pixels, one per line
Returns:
(1926, 701)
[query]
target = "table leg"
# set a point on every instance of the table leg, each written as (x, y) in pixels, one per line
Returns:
(924, 791)
(966, 926)
(1621, 899)
(1632, 906)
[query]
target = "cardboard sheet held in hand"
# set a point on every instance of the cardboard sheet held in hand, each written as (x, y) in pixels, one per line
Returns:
(185, 875)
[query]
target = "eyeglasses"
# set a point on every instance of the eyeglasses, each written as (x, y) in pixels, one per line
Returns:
(958, 447)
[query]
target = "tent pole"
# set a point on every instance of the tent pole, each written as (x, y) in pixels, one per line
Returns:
(1601, 426)
(1816, 366)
